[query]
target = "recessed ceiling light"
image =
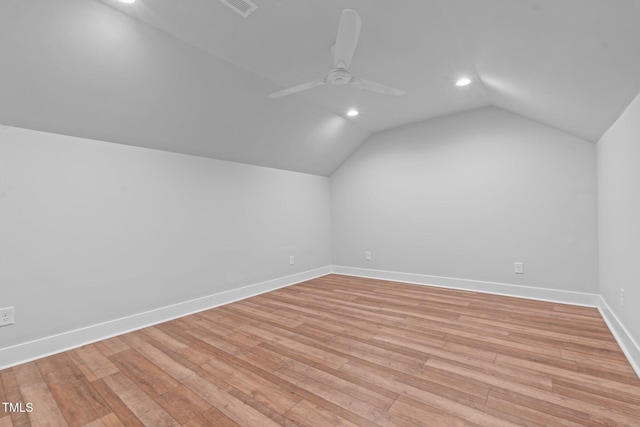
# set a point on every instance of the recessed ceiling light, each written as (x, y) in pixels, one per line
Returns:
(463, 81)
(352, 112)
(127, 1)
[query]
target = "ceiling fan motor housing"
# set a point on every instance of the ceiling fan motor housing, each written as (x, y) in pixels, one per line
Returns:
(342, 51)
(339, 77)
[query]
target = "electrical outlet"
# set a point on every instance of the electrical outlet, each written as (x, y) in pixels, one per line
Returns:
(367, 256)
(622, 297)
(292, 260)
(6, 316)
(518, 267)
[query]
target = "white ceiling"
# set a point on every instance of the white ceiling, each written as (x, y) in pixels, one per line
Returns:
(192, 76)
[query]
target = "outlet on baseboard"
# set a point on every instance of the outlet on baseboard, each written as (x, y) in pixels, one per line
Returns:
(6, 316)
(518, 267)
(292, 260)
(367, 256)
(622, 297)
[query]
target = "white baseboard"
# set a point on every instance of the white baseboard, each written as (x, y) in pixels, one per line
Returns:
(629, 346)
(626, 342)
(36, 349)
(542, 294)
(28, 351)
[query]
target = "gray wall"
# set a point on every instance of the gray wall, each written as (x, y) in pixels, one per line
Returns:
(92, 231)
(465, 196)
(619, 217)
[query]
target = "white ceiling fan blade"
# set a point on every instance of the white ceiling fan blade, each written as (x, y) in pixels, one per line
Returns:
(347, 39)
(377, 87)
(297, 89)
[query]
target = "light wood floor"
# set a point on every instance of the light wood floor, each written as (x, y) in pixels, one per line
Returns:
(342, 351)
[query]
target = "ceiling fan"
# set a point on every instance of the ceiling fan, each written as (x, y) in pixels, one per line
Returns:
(343, 50)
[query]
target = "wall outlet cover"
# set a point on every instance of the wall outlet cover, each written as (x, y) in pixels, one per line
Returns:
(518, 267)
(6, 316)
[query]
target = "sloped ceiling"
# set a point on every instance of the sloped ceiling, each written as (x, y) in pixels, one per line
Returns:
(192, 76)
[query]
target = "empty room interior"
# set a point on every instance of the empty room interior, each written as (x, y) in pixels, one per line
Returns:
(318, 213)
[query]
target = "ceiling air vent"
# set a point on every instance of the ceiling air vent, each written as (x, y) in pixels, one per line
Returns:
(243, 7)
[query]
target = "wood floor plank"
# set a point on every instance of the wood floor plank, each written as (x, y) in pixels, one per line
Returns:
(45, 409)
(119, 408)
(308, 414)
(343, 351)
(470, 352)
(135, 339)
(212, 417)
(356, 410)
(145, 409)
(4, 415)
(78, 400)
(149, 377)
(182, 404)
(421, 414)
(191, 358)
(597, 397)
(338, 383)
(574, 336)
(321, 356)
(99, 365)
(264, 358)
(165, 339)
(434, 398)
(111, 420)
(159, 356)
(584, 417)
(511, 375)
(59, 368)
(352, 379)
(33, 390)
(549, 397)
(214, 340)
(429, 350)
(525, 415)
(232, 407)
(379, 354)
(358, 317)
(111, 346)
(251, 384)
(631, 391)
(13, 395)
(27, 374)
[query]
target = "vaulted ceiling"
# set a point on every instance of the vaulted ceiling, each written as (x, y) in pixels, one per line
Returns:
(192, 76)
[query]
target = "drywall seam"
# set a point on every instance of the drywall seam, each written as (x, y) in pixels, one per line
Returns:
(519, 291)
(36, 349)
(629, 346)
